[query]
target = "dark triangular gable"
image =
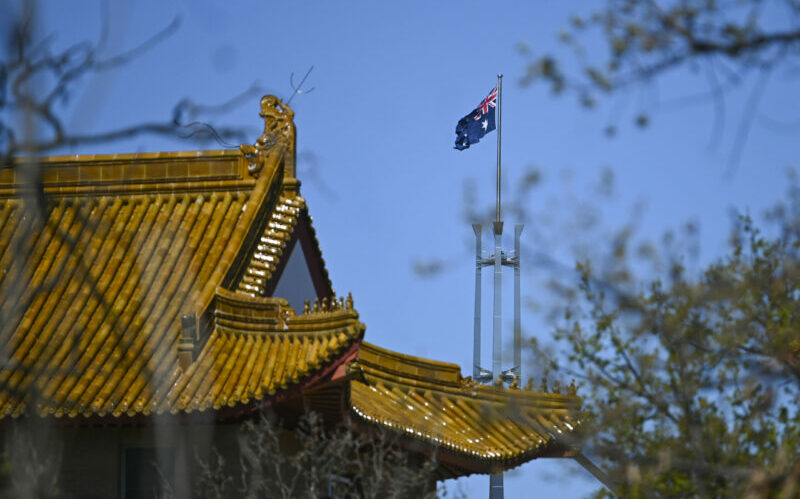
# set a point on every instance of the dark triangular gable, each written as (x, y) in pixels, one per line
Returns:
(282, 245)
(301, 267)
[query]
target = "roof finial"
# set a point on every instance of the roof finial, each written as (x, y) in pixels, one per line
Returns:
(349, 302)
(278, 127)
(572, 389)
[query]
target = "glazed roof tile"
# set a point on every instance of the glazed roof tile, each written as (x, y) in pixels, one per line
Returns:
(258, 347)
(273, 241)
(94, 294)
(430, 401)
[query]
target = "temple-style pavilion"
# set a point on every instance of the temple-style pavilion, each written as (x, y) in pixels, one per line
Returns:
(189, 289)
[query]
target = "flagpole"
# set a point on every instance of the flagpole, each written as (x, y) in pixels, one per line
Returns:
(497, 346)
(499, 129)
(496, 479)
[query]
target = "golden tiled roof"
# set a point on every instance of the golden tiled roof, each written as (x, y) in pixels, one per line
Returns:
(101, 267)
(257, 347)
(92, 297)
(277, 234)
(429, 401)
(271, 244)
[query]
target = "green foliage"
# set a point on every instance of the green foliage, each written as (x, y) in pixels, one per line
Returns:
(692, 380)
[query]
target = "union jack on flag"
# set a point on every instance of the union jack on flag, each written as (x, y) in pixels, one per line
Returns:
(472, 127)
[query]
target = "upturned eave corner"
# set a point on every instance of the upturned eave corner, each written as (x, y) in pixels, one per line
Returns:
(478, 428)
(279, 138)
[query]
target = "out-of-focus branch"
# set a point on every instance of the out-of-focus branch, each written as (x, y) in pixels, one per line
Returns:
(642, 42)
(31, 62)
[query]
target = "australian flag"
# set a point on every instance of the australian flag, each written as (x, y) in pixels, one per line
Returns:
(472, 127)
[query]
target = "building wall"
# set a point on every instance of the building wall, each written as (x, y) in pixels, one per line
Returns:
(91, 460)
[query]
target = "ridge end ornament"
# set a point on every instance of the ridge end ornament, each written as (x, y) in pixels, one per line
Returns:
(279, 129)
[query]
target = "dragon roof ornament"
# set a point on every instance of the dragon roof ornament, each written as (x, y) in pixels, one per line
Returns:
(279, 129)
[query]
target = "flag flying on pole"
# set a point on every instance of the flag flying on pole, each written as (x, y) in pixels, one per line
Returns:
(472, 127)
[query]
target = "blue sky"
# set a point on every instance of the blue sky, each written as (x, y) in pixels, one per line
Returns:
(382, 180)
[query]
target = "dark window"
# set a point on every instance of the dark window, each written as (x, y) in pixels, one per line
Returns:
(147, 472)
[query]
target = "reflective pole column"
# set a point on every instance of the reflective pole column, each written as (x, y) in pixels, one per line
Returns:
(517, 322)
(497, 339)
(476, 345)
(496, 479)
(496, 486)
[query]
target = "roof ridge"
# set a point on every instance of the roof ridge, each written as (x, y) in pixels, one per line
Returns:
(235, 253)
(117, 157)
(139, 173)
(244, 313)
(393, 366)
(401, 369)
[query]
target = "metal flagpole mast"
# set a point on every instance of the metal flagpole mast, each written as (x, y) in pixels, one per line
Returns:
(496, 479)
(497, 345)
(517, 324)
(499, 129)
(476, 344)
